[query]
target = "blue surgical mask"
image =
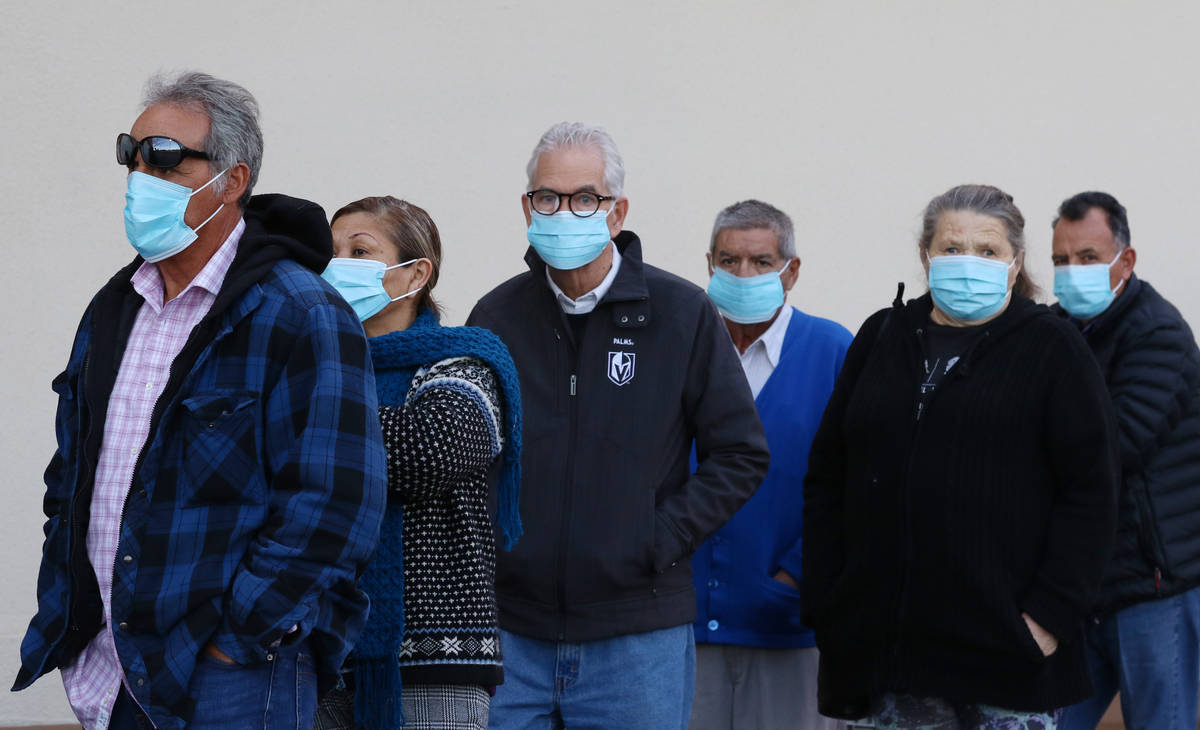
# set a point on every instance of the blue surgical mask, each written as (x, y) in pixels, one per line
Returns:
(747, 299)
(565, 241)
(1083, 290)
(360, 282)
(154, 211)
(968, 288)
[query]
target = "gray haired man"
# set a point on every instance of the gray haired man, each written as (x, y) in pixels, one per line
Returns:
(219, 480)
(623, 367)
(756, 664)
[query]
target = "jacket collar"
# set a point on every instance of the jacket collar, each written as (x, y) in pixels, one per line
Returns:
(1018, 311)
(628, 297)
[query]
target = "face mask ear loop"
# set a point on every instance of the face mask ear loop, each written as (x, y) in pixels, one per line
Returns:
(414, 291)
(219, 207)
(396, 266)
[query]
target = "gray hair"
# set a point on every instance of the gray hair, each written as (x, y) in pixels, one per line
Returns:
(233, 132)
(984, 200)
(752, 213)
(577, 134)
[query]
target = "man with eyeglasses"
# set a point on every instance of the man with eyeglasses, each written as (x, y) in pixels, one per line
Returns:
(219, 480)
(623, 368)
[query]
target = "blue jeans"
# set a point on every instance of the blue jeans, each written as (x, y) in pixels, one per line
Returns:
(633, 681)
(1150, 652)
(277, 695)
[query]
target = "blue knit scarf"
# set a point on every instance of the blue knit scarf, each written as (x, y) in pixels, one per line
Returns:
(397, 356)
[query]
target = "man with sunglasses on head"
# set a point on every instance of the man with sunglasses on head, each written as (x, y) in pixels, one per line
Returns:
(219, 480)
(623, 368)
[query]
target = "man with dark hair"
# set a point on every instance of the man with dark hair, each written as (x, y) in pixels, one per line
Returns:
(220, 479)
(1144, 639)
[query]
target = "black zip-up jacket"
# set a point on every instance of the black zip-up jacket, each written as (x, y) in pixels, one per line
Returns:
(925, 539)
(610, 511)
(1152, 367)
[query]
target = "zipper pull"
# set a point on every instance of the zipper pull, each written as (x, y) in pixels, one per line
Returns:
(572, 383)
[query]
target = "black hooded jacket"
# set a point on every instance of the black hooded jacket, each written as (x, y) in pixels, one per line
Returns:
(1152, 368)
(925, 539)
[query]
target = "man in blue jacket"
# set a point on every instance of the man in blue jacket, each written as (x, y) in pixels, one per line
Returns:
(1144, 638)
(219, 480)
(756, 664)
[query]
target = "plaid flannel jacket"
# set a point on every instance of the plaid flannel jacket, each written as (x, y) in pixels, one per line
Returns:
(256, 501)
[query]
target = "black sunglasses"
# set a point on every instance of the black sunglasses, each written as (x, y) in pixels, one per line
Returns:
(161, 152)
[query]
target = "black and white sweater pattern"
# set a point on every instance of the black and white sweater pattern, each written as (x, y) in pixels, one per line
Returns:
(440, 446)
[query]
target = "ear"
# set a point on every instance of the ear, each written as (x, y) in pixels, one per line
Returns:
(790, 274)
(525, 208)
(616, 219)
(237, 179)
(709, 261)
(1128, 261)
(421, 270)
(1016, 270)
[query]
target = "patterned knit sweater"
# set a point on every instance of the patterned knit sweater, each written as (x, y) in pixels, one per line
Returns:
(440, 445)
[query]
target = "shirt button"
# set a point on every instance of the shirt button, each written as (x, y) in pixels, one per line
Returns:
(149, 386)
(713, 583)
(123, 626)
(714, 625)
(128, 559)
(140, 681)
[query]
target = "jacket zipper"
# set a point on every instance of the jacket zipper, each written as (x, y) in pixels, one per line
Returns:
(906, 547)
(568, 479)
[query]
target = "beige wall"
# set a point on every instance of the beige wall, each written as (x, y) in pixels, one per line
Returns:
(849, 116)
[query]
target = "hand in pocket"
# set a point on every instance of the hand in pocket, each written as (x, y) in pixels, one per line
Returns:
(1045, 640)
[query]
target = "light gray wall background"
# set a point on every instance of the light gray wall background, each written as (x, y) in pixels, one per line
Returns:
(848, 115)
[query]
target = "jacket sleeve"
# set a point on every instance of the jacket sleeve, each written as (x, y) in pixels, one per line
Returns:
(730, 445)
(1149, 389)
(822, 536)
(792, 561)
(446, 430)
(1082, 450)
(327, 491)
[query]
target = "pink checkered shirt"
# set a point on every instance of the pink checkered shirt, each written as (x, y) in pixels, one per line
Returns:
(159, 333)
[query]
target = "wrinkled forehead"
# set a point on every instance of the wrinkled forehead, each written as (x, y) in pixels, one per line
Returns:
(964, 227)
(571, 168)
(185, 123)
(747, 242)
(1089, 232)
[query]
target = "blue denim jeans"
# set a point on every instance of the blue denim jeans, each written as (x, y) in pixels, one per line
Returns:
(1149, 652)
(634, 681)
(277, 695)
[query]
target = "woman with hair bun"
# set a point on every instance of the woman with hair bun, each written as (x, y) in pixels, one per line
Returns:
(450, 408)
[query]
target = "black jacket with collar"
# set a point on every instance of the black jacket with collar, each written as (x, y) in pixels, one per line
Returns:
(925, 539)
(610, 510)
(1152, 367)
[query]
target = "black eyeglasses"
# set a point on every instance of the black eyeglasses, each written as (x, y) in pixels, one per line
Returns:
(161, 152)
(582, 203)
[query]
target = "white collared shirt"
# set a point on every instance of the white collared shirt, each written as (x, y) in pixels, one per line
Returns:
(586, 303)
(762, 356)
